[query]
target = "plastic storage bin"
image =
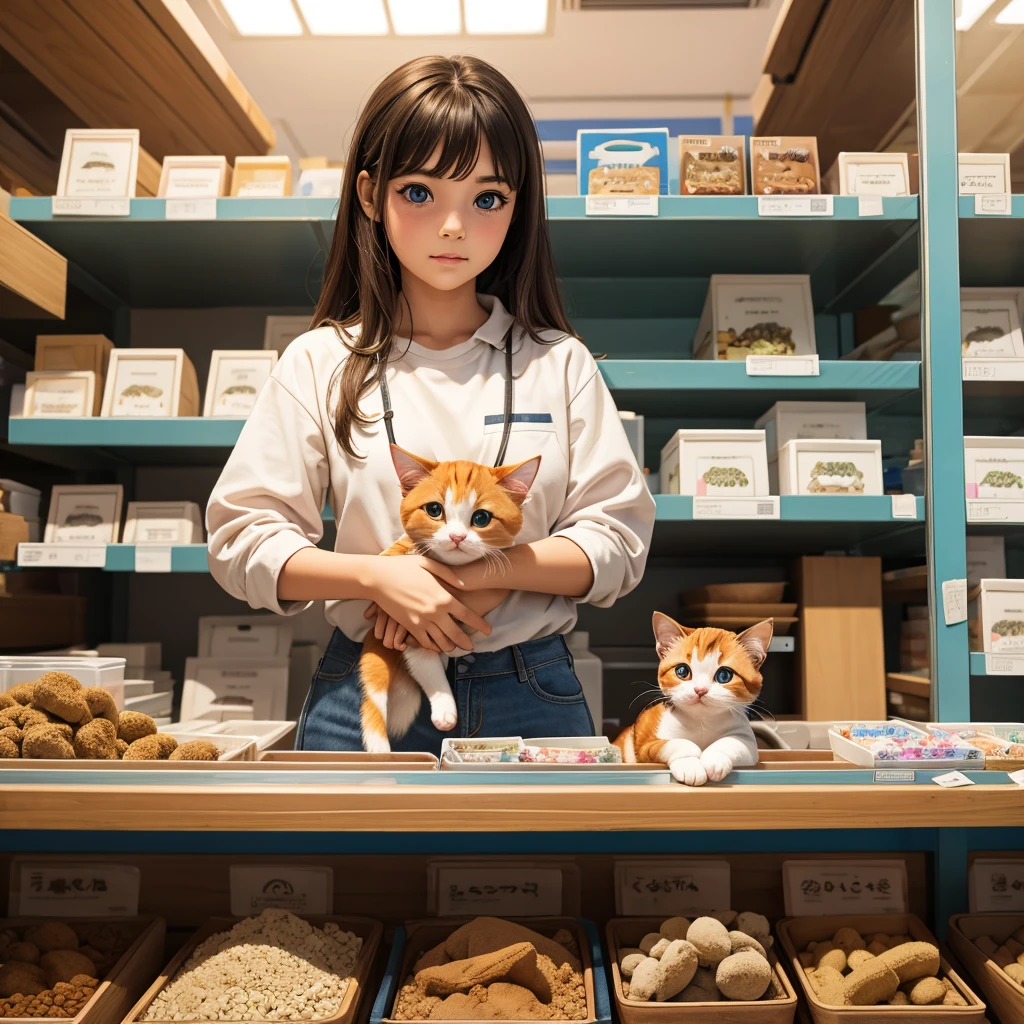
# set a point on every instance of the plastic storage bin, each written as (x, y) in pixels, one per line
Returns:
(105, 672)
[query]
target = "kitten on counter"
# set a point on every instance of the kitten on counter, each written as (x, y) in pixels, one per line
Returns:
(453, 512)
(708, 677)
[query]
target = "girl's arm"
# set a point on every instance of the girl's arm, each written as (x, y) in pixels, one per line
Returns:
(554, 565)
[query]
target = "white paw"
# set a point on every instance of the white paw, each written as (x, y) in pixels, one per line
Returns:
(376, 744)
(689, 771)
(442, 712)
(716, 767)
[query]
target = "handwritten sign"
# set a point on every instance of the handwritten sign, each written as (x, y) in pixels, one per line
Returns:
(996, 886)
(954, 601)
(301, 890)
(74, 889)
(993, 204)
(764, 507)
(814, 888)
(65, 206)
(621, 206)
(982, 511)
(655, 885)
(508, 891)
(74, 556)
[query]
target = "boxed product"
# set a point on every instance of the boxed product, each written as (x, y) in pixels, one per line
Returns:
(622, 161)
(244, 636)
(163, 522)
(547, 753)
(984, 173)
(1014, 294)
(712, 165)
(785, 165)
(715, 463)
(994, 467)
(19, 499)
(869, 174)
(150, 382)
(266, 735)
(87, 352)
(53, 393)
(986, 559)
(139, 658)
(984, 944)
(81, 514)
(794, 421)
(990, 329)
(819, 466)
(1000, 613)
(894, 743)
(227, 688)
(261, 176)
(752, 315)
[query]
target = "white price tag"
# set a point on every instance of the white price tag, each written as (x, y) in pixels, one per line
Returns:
(74, 889)
(1016, 777)
(952, 780)
(765, 507)
(656, 886)
(622, 206)
(190, 209)
(1004, 665)
(978, 369)
(498, 892)
(783, 366)
(794, 206)
(954, 601)
(904, 506)
(981, 511)
(870, 206)
(63, 206)
(152, 558)
(894, 774)
(993, 204)
(996, 886)
(301, 890)
(67, 556)
(815, 888)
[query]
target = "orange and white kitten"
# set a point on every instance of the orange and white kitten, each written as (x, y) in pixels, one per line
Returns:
(708, 677)
(453, 512)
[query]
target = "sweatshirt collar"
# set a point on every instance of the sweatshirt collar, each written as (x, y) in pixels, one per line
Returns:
(494, 328)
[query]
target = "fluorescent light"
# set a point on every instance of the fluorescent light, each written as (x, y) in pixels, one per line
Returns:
(344, 17)
(970, 12)
(498, 17)
(1011, 14)
(264, 17)
(425, 17)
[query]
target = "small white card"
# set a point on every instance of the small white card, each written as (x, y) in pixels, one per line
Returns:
(74, 889)
(952, 780)
(870, 206)
(152, 558)
(815, 888)
(498, 892)
(992, 369)
(996, 886)
(783, 366)
(993, 204)
(67, 206)
(656, 886)
(1016, 777)
(794, 206)
(954, 601)
(904, 506)
(191, 209)
(300, 890)
(1004, 665)
(622, 206)
(764, 507)
(987, 511)
(75, 556)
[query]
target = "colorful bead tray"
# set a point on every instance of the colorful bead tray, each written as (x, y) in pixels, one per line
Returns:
(882, 744)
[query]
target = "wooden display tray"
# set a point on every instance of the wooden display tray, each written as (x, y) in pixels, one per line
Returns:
(800, 760)
(628, 931)
(424, 935)
(345, 760)
(366, 928)
(1004, 995)
(734, 593)
(796, 932)
(126, 979)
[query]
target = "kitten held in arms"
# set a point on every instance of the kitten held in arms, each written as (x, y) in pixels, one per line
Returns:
(453, 512)
(708, 677)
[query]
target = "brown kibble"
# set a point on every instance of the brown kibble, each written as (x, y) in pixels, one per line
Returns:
(61, 695)
(900, 999)
(22, 693)
(101, 704)
(23, 952)
(195, 750)
(927, 991)
(827, 984)
(6, 700)
(145, 749)
(120, 746)
(8, 748)
(95, 740)
(19, 979)
(63, 965)
(47, 741)
(133, 725)
(52, 935)
(167, 745)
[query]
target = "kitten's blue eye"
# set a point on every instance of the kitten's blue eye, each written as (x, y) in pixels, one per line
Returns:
(489, 201)
(434, 509)
(724, 675)
(683, 671)
(417, 194)
(481, 517)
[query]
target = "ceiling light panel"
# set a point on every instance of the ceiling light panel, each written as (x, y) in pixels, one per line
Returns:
(344, 17)
(970, 12)
(425, 17)
(501, 17)
(1011, 14)
(263, 17)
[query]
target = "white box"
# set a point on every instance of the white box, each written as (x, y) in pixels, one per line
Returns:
(1002, 615)
(874, 174)
(818, 466)
(163, 522)
(794, 421)
(692, 456)
(235, 381)
(57, 394)
(984, 173)
(990, 329)
(633, 425)
(266, 735)
(223, 688)
(244, 636)
(139, 655)
(739, 307)
(150, 382)
(994, 467)
(82, 514)
(19, 499)
(138, 688)
(156, 705)
(986, 559)
(1016, 294)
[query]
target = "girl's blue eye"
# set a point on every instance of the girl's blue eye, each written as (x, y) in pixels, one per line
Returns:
(481, 517)
(417, 194)
(724, 675)
(683, 671)
(489, 201)
(434, 509)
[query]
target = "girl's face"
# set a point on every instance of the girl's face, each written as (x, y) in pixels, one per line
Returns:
(445, 231)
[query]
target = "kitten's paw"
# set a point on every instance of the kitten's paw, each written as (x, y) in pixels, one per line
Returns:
(689, 771)
(443, 712)
(376, 744)
(717, 767)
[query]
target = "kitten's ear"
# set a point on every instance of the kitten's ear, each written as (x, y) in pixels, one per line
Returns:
(411, 469)
(518, 480)
(667, 632)
(755, 641)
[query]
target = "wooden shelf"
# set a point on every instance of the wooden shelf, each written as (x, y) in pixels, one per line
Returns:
(33, 277)
(912, 686)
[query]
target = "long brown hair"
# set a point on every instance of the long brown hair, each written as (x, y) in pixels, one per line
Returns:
(455, 102)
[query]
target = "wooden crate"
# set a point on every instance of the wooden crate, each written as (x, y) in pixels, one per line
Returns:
(1004, 995)
(368, 930)
(796, 932)
(129, 976)
(349, 760)
(628, 931)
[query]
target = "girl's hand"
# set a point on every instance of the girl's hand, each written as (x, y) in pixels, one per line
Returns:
(396, 636)
(411, 590)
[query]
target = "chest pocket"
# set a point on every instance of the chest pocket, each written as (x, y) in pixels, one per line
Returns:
(521, 421)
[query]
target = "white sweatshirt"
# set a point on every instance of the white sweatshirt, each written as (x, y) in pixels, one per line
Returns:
(447, 405)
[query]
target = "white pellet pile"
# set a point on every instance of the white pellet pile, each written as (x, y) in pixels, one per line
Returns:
(272, 967)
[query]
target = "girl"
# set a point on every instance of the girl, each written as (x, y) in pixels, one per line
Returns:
(440, 259)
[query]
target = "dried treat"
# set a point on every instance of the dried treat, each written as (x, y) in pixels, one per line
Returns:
(877, 947)
(900, 999)
(646, 977)
(648, 942)
(659, 948)
(22, 693)
(1015, 947)
(33, 716)
(695, 994)
(848, 939)
(875, 982)
(517, 963)
(829, 986)
(47, 741)
(17, 977)
(52, 935)
(806, 959)
(678, 965)
(756, 926)
(880, 937)
(1002, 957)
(911, 960)
(121, 746)
(741, 941)
(6, 700)
(487, 934)
(133, 725)
(829, 956)
(629, 963)
(858, 958)
(167, 745)
(899, 940)
(744, 976)
(927, 991)
(8, 748)
(147, 748)
(101, 704)
(711, 939)
(1016, 972)
(12, 732)
(96, 740)
(194, 750)
(952, 997)
(675, 928)
(63, 965)
(23, 952)
(727, 917)
(61, 695)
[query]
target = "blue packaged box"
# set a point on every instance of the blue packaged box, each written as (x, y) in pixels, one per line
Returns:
(622, 161)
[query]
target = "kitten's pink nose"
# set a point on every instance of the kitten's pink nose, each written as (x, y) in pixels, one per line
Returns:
(456, 538)
(700, 690)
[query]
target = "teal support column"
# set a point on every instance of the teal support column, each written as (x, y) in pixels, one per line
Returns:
(941, 385)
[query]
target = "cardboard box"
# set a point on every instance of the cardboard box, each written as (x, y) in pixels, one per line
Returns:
(163, 522)
(261, 176)
(986, 559)
(820, 466)
(984, 173)
(785, 165)
(150, 382)
(994, 467)
(1014, 294)
(74, 352)
(244, 636)
(622, 161)
(229, 688)
(60, 393)
(990, 329)
(794, 421)
(1001, 607)
(712, 165)
(20, 499)
(715, 463)
(869, 174)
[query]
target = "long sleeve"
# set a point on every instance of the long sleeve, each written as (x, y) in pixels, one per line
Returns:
(608, 510)
(267, 503)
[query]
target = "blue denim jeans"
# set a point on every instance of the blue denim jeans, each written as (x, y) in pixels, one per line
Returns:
(527, 689)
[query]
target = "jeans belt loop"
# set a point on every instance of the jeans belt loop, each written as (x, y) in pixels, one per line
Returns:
(520, 664)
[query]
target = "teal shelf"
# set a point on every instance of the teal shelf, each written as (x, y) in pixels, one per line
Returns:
(184, 558)
(991, 248)
(978, 667)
